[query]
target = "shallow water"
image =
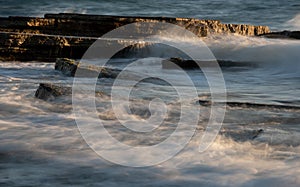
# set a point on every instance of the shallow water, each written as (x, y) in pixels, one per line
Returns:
(41, 144)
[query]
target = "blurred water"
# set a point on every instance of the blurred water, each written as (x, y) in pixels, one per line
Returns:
(40, 143)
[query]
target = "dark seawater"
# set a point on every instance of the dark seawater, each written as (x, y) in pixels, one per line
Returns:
(272, 13)
(40, 144)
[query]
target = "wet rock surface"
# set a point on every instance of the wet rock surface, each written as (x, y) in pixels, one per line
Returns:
(283, 35)
(249, 105)
(70, 66)
(74, 68)
(174, 63)
(51, 91)
(70, 35)
(243, 135)
(47, 91)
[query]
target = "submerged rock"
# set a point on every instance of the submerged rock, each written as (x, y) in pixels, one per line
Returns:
(174, 63)
(70, 66)
(248, 105)
(243, 135)
(48, 91)
(66, 66)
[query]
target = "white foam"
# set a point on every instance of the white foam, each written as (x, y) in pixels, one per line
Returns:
(294, 23)
(41, 138)
(272, 53)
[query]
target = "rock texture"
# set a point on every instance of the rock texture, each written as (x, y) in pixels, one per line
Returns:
(173, 63)
(283, 35)
(69, 68)
(249, 105)
(70, 35)
(51, 91)
(243, 135)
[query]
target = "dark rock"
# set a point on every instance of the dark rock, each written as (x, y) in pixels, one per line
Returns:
(28, 47)
(69, 68)
(249, 105)
(256, 133)
(174, 63)
(66, 66)
(51, 91)
(205, 102)
(243, 135)
(70, 35)
(282, 35)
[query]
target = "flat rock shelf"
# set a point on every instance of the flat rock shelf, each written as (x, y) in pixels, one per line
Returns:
(70, 35)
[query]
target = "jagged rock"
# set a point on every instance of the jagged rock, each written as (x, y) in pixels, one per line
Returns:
(199, 27)
(51, 91)
(26, 47)
(283, 35)
(70, 35)
(97, 25)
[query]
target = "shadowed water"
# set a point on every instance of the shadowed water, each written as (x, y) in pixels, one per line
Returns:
(276, 14)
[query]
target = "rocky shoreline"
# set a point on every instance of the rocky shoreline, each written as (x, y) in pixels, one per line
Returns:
(70, 35)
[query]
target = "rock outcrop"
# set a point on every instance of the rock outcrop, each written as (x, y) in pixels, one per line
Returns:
(249, 105)
(50, 91)
(70, 35)
(69, 68)
(72, 68)
(173, 63)
(283, 35)
(243, 135)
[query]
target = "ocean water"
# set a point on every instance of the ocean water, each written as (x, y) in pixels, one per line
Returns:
(42, 146)
(276, 14)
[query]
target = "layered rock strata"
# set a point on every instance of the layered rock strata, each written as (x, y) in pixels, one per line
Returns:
(70, 35)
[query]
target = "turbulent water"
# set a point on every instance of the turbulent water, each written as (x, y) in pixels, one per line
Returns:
(41, 145)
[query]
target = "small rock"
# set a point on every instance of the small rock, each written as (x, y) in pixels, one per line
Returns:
(50, 91)
(243, 135)
(70, 66)
(256, 133)
(66, 66)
